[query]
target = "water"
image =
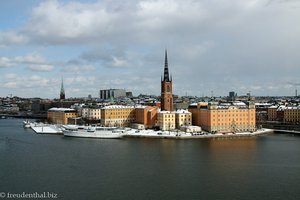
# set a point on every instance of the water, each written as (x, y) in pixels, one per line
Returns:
(266, 167)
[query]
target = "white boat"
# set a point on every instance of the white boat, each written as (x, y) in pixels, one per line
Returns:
(26, 124)
(93, 132)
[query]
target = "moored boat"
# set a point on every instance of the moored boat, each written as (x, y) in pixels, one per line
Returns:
(94, 132)
(26, 124)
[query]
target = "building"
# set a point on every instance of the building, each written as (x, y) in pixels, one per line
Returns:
(225, 117)
(91, 113)
(146, 116)
(284, 113)
(232, 96)
(60, 115)
(276, 113)
(117, 115)
(272, 113)
(112, 93)
(191, 129)
(166, 88)
(166, 120)
(62, 91)
(292, 114)
(183, 118)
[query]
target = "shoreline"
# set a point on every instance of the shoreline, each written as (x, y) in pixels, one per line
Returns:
(173, 135)
(134, 133)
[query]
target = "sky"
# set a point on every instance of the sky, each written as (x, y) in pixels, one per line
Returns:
(214, 46)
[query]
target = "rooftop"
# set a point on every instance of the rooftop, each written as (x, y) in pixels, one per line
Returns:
(61, 109)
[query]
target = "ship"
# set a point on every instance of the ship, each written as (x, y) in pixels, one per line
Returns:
(93, 132)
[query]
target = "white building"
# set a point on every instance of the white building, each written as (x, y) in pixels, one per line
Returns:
(183, 118)
(91, 113)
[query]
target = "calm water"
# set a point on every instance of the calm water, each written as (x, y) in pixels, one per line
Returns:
(266, 167)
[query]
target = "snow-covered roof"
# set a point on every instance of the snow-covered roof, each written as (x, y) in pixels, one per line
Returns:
(239, 103)
(181, 111)
(165, 112)
(280, 108)
(273, 106)
(61, 109)
(263, 104)
(293, 107)
(117, 107)
(141, 106)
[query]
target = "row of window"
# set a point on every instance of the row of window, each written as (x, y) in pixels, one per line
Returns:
(231, 124)
(222, 111)
(237, 119)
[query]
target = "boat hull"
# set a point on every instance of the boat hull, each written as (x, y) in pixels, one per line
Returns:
(96, 134)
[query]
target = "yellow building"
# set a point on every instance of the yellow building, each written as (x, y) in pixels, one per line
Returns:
(226, 117)
(292, 114)
(166, 120)
(60, 115)
(117, 115)
(183, 118)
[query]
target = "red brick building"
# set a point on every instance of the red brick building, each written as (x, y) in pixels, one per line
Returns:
(166, 88)
(146, 115)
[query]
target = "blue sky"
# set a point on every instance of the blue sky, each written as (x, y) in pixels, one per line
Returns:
(213, 45)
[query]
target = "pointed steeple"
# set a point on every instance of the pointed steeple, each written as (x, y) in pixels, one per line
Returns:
(166, 69)
(166, 88)
(62, 90)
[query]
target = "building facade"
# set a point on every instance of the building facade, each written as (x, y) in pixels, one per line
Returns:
(112, 93)
(183, 118)
(60, 115)
(292, 114)
(276, 113)
(91, 113)
(166, 88)
(146, 115)
(230, 117)
(166, 120)
(116, 115)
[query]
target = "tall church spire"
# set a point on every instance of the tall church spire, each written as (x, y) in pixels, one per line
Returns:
(166, 69)
(166, 88)
(62, 90)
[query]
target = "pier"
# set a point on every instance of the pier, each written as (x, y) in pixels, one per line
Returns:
(287, 131)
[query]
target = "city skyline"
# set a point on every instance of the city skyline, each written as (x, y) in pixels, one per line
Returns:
(214, 46)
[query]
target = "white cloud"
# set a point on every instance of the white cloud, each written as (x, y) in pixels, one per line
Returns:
(119, 62)
(77, 68)
(30, 59)
(33, 61)
(42, 68)
(11, 38)
(10, 85)
(5, 62)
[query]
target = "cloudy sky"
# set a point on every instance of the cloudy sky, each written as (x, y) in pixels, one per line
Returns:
(213, 45)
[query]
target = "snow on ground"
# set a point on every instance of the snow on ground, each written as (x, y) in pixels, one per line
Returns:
(43, 128)
(172, 134)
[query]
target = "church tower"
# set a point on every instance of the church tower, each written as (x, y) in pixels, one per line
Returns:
(62, 91)
(166, 88)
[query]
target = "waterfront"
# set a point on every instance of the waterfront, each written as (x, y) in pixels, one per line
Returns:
(263, 167)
